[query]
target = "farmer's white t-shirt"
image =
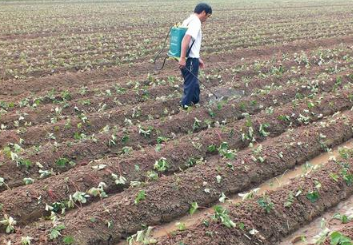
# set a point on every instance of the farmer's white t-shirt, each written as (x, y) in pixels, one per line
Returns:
(194, 30)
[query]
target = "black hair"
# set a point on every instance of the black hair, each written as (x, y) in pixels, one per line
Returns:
(203, 7)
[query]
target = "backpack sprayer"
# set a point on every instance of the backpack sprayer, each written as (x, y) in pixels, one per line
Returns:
(177, 33)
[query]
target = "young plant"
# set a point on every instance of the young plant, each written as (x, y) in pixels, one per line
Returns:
(343, 218)
(140, 196)
(28, 181)
(62, 162)
(9, 222)
(249, 195)
(336, 238)
(225, 152)
(26, 240)
(142, 237)
(290, 200)
(112, 140)
(55, 232)
(80, 197)
(196, 125)
(266, 203)
(262, 129)
(98, 191)
(181, 226)
(152, 175)
(313, 196)
(68, 240)
(221, 215)
(146, 132)
(161, 165)
(257, 157)
(121, 180)
(193, 208)
(44, 173)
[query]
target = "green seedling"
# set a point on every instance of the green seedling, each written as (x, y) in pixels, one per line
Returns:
(313, 196)
(266, 203)
(55, 232)
(28, 181)
(140, 196)
(343, 218)
(262, 129)
(161, 165)
(290, 200)
(181, 226)
(225, 152)
(145, 132)
(142, 237)
(99, 191)
(152, 175)
(193, 208)
(336, 238)
(221, 215)
(80, 197)
(197, 124)
(68, 240)
(9, 222)
(121, 180)
(26, 240)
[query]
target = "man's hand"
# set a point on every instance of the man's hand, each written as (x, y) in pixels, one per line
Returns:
(182, 63)
(202, 64)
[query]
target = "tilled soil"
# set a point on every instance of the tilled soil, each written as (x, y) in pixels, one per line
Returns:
(171, 196)
(68, 80)
(41, 114)
(267, 227)
(177, 153)
(345, 230)
(93, 153)
(180, 124)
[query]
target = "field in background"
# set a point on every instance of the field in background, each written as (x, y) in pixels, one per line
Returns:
(95, 150)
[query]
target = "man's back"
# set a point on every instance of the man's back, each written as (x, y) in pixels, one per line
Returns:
(194, 30)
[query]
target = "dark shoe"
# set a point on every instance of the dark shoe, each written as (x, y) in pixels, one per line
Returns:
(184, 107)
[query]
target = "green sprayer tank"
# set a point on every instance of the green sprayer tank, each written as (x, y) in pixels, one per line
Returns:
(177, 34)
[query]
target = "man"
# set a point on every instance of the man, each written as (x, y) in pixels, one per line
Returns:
(190, 60)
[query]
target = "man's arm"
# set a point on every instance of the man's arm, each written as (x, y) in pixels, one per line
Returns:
(184, 47)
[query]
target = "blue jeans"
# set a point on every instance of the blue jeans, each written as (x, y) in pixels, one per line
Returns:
(191, 83)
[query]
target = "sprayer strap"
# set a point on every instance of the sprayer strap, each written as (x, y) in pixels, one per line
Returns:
(159, 53)
(187, 53)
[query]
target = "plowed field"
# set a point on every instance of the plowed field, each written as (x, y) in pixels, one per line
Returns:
(95, 150)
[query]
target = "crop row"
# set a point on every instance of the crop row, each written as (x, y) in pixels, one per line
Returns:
(69, 21)
(84, 62)
(113, 141)
(100, 86)
(179, 153)
(93, 46)
(160, 201)
(60, 82)
(75, 103)
(269, 218)
(82, 124)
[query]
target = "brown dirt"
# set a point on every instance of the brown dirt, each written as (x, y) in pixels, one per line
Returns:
(176, 152)
(38, 134)
(344, 229)
(83, 152)
(14, 87)
(276, 223)
(290, 117)
(171, 196)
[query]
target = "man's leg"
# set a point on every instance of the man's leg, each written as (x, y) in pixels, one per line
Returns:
(196, 98)
(188, 84)
(195, 70)
(191, 85)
